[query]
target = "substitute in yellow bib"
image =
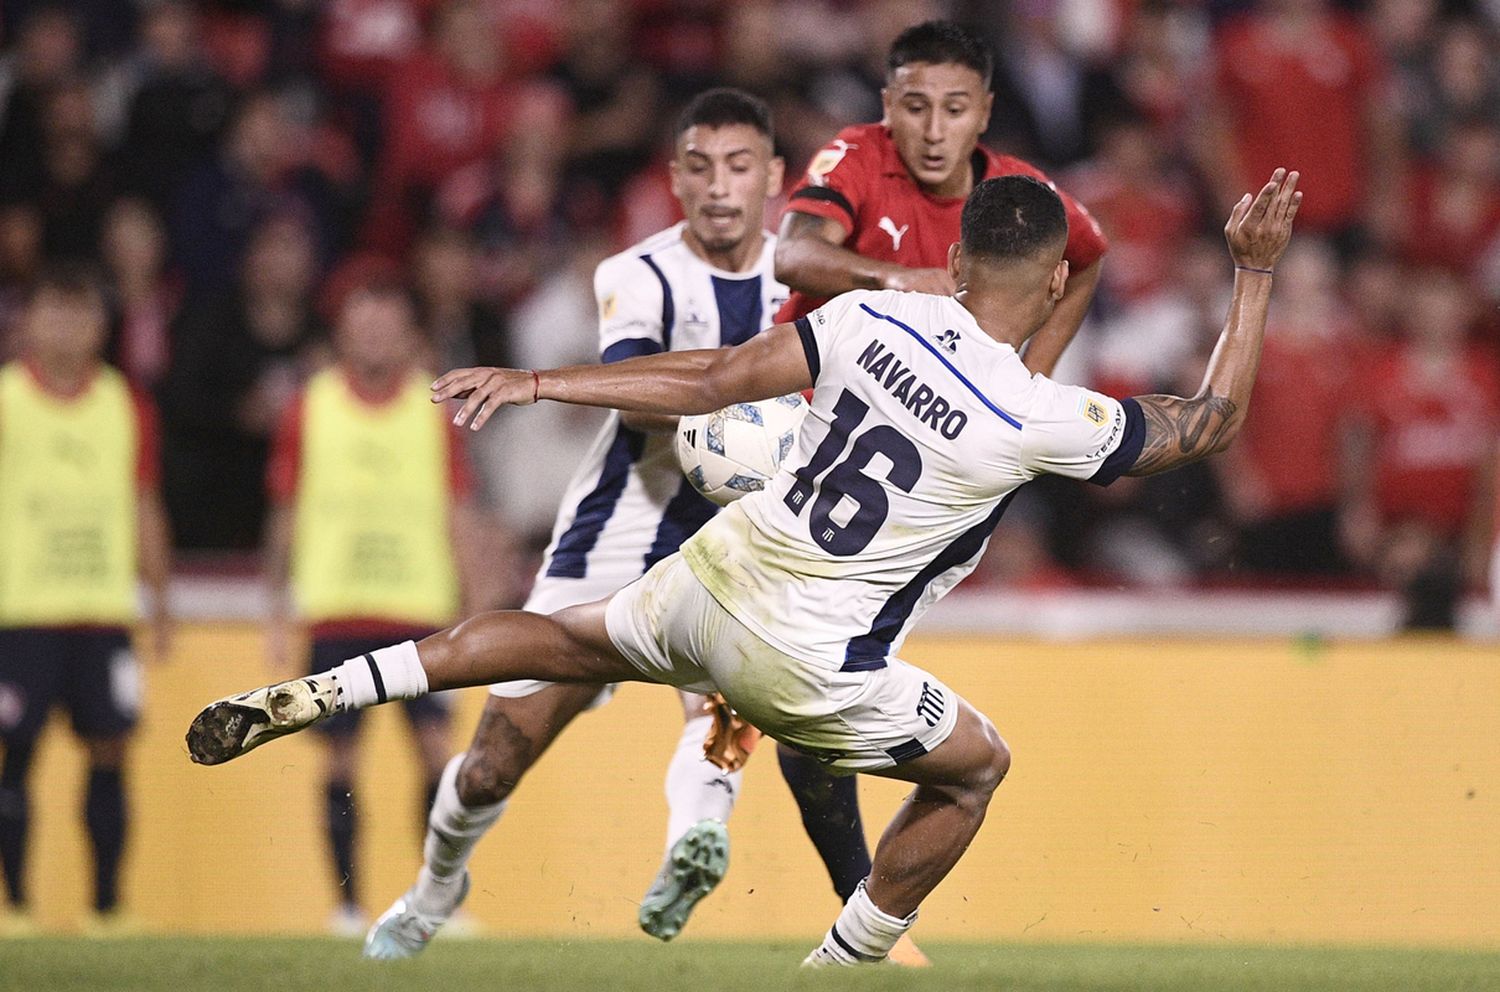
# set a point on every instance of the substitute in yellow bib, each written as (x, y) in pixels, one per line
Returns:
(371, 522)
(80, 520)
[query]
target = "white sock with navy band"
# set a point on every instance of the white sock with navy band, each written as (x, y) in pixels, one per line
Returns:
(863, 934)
(382, 675)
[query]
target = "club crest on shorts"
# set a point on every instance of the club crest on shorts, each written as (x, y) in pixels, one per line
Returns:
(930, 705)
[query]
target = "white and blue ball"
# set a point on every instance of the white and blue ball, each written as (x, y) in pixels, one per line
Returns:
(735, 451)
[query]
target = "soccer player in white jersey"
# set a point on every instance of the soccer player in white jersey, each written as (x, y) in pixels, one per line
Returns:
(706, 282)
(794, 603)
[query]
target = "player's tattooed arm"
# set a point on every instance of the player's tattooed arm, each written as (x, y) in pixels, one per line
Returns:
(1180, 430)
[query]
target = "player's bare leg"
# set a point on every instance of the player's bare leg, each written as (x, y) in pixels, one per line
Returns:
(924, 840)
(700, 796)
(512, 734)
(569, 646)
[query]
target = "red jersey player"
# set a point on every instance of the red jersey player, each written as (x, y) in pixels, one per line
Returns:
(880, 205)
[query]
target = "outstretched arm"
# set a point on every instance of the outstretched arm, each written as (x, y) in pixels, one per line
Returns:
(811, 258)
(773, 363)
(1181, 430)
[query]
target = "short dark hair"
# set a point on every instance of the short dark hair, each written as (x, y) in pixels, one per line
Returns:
(941, 43)
(70, 279)
(1012, 217)
(725, 105)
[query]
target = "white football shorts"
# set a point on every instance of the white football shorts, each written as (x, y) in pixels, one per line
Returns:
(671, 628)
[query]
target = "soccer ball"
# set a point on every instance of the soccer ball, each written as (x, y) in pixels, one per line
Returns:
(736, 450)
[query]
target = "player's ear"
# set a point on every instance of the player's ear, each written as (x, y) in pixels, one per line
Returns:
(954, 250)
(885, 106)
(989, 105)
(1059, 283)
(775, 175)
(676, 172)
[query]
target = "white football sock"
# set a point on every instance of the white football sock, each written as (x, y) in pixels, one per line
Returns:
(452, 831)
(384, 674)
(697, 789)
(862, 934)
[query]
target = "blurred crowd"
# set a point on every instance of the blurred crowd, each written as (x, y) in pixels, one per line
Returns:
(235, 167)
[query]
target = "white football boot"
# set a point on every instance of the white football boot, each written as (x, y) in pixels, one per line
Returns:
(402, 931)
(236, 724)
(694, 866)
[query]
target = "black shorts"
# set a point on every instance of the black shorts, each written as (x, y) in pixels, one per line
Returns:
(328, 652)
(92, 672)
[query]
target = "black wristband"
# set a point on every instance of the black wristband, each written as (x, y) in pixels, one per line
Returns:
(1251, 268)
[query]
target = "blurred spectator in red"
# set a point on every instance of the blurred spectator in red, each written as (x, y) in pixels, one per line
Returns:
(144, 300)
(451, 107)
(1459, 81)
(176, 105)
(1452, 205)
(1144, 206)
(364, 41)
(1161, 68)
(463, 330)
(1418, 468)
(1281, 480)
(1302, 86)
(237, 360)
(1375, 292)
(48, 52)
(513, 208)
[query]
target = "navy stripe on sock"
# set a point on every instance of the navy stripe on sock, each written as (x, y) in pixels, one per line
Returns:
(838, 939)
(380, 696)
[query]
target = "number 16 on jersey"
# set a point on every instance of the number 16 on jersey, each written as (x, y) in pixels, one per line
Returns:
(847, 480)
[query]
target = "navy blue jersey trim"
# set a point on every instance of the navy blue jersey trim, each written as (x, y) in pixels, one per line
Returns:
(907, 751)
(687, 511)
(947, 364)
(740, 305)
(869, 650)
(809, 346)
(1125, 455)
(668, 311)
(827, 195)
(630, 348)
(570, 559)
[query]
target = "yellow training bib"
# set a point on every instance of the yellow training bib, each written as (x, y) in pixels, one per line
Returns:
(371, 538)
(67, 502)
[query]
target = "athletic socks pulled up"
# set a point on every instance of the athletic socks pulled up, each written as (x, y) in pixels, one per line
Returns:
(863, 934)
(696, 788)
(382, 675)
(452, 831)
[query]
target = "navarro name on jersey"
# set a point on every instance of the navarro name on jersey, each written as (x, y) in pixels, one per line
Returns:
(920, 399)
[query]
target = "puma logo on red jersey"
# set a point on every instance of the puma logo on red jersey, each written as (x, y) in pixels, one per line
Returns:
(889, 227)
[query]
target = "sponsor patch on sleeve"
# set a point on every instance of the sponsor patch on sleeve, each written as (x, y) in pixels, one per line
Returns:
(608, 306)
(1092, 410)
(825, 162)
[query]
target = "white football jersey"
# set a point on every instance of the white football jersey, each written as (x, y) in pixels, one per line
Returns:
(922, 427)
(629, 505)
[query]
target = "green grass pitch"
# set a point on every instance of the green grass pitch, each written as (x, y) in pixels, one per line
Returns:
(171, 964)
